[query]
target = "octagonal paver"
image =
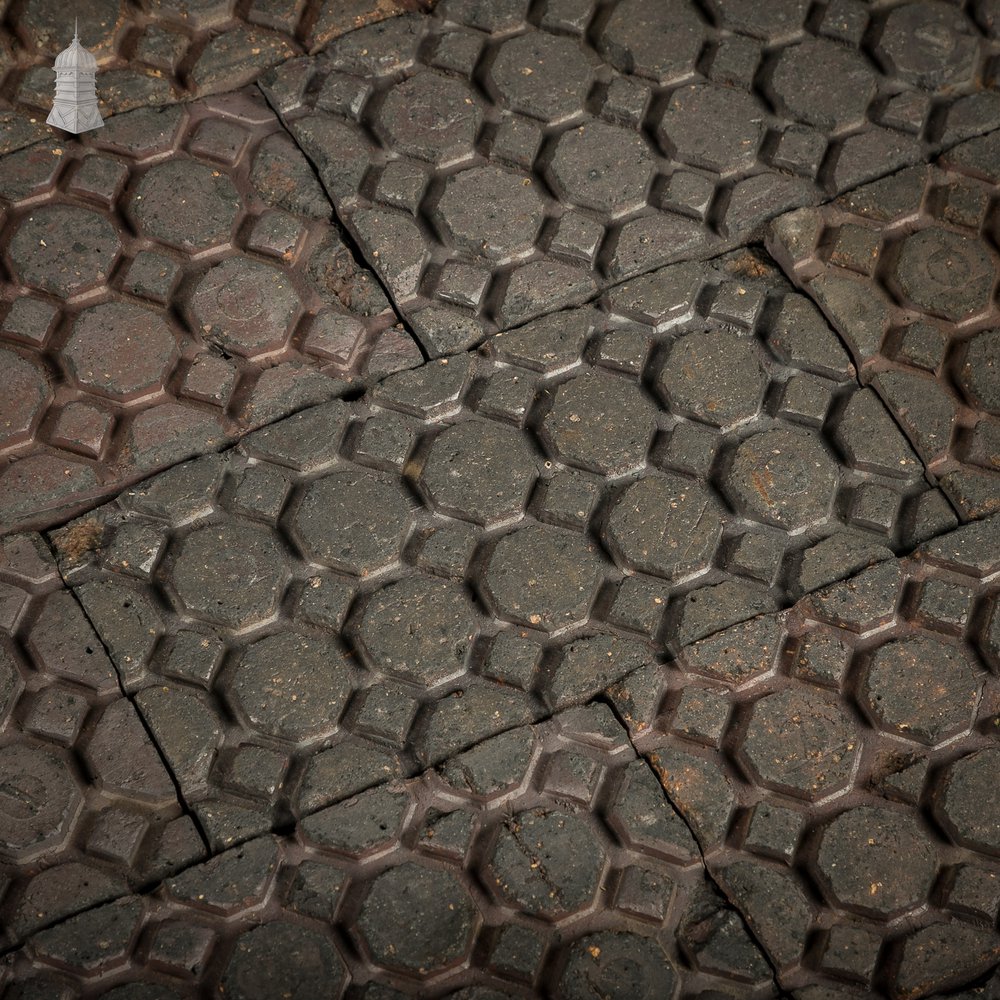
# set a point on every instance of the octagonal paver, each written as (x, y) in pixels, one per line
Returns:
(283, 959)
(663, 131)
(946, 273)
(969, 802)
(661, 41)
(878, 860)
(401, 907)
(714, 375)
(783, 477)
(171, 174)
(26, 391)
(713, 127)
(481, 470)
(39, 800)
(823, 83)
(665, 525)
(232, 573)
(120, 350)
(77, 766)
(420, 919)
(41, 21)
(432, 117)
(922, 688)
(934, 288)
(246, 307)
(191, 216)
(616, 964)
(292, 686)
(490, 212)
(803, 740)
(741, 724)
(600, 421)
(419, 629)
(355, 520)
(545, 77)
(928, 44)
(602, 166)
(543, 576)
(64, 249)
(546, 863)
(980, 375)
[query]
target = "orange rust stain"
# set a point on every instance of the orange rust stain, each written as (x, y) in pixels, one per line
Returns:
(761, 481)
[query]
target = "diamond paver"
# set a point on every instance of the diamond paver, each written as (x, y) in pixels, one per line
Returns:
(140, 52)
(412, 888)
(555, 152)
(367, 588)
(835, 763)
(905, 269)
(88, 811)
(233, 303)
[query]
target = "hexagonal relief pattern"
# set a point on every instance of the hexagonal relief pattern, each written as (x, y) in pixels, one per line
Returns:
(906, 270)
(835, 763)
(139, 51)
(366, 588)
(88, 810)
(497, 165)
(409, 889)
(234, 303)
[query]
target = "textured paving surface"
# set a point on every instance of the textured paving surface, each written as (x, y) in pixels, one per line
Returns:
(837, 763)
(488, 538)
(156, 53)
(88, 810)
(545, 858)
(633, 653)
(174, 280)
(498, 160)
(906, 269)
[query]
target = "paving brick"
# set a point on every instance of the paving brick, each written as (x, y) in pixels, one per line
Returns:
(545, 166)
(919, 327)
(90, 811)
(410, 887)
(379, 584)
(139, 52)
(105, 389)
(848, 738)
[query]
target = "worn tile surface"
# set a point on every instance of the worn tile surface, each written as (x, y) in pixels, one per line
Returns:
(837, 764)
(173, 280)
(497, 161)
(906, 269)
(153, 53)
(545, 862)
(631, 654)
(364, 589)
(88, 811)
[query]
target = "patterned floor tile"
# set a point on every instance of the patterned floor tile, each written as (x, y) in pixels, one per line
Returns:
(174, 280)
(499, 161)
(544, 862)
(906, 270)
(88, 812)
(836, 763)
(367, 588)
(152, 53)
